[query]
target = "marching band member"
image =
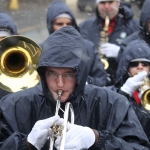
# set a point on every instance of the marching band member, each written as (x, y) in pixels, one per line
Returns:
(134, 67)
(121, 24)
(7, 28)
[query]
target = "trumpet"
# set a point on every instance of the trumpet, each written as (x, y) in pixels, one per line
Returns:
(61, 130)
(145, 93)
(104, 39)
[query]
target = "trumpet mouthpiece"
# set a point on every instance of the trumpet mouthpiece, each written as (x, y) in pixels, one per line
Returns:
(60, 92)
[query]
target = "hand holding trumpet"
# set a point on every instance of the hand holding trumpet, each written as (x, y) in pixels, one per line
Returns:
(42, 130)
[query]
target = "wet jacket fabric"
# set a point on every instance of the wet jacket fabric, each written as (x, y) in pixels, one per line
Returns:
(136, 49)
(125, 25)
(95, 107)
(7, 22)
(97, 75)
(142, 33)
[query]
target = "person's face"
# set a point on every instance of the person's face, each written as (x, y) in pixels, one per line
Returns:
(61, 22)
(2, 37)
(60, 79)
(109, 8)
(148, 27)
(135, 67)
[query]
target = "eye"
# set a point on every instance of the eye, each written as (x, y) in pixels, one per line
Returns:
(49, 73)
(70, 74)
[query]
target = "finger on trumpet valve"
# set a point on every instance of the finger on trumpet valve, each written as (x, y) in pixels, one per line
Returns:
(57, 130)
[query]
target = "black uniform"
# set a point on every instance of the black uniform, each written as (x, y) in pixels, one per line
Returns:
(95, 107)
(125, 25)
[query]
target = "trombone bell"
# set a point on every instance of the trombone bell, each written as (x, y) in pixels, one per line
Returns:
(19, 57)
(145, 92)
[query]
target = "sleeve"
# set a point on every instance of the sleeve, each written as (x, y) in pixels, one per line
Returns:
(123, 130)
(97, 75)
(15, 141)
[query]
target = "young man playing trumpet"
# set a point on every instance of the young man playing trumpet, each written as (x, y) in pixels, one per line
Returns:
(133, 80)
(103, 119)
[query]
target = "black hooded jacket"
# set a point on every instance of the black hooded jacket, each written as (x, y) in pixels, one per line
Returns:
(7, 22)
(125, 25)
(95, 107)
(136, 49)
(142, 33)
(97, 75)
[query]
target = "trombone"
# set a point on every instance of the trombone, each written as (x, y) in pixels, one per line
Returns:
(19, 57)
(58, 130)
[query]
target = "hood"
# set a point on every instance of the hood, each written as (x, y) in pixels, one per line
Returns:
(145, 15)
(125, 10)
(65, 48)
(136, 49)
(7, 21)
(56, 8)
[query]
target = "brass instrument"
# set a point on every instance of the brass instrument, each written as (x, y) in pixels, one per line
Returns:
(61, 131)
(145, 93)
(104, 39)
(19, 57)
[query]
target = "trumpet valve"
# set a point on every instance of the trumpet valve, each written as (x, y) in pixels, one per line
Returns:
(57, 130)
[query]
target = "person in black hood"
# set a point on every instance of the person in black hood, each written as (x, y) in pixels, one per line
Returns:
(58, 16)
(7, 28)
(103, 119)
(143, 33)
(133, 79)
(121, 24)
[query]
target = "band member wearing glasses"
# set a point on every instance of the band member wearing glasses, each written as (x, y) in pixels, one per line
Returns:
(103, 118)
(133, 70)
(59, 15)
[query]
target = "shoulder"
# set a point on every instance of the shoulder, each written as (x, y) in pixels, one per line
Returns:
(87, 23)
(22, 97)
(104, 93)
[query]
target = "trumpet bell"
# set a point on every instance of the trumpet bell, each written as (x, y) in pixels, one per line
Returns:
(19, 57)
(145, 99)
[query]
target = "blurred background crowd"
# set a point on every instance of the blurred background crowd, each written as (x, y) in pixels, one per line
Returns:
(30, 15)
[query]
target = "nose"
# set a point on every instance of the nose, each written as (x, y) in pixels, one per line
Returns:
(140, 66)
(107, 5)
(60, 81)
(64, 25)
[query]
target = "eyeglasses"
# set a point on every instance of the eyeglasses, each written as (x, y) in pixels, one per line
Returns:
(66, 76)
(136, 63)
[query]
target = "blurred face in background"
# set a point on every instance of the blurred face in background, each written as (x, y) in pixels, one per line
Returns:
(148, 27)
(61, 22)
(138, 66)
(2, 37)
(109, 8)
